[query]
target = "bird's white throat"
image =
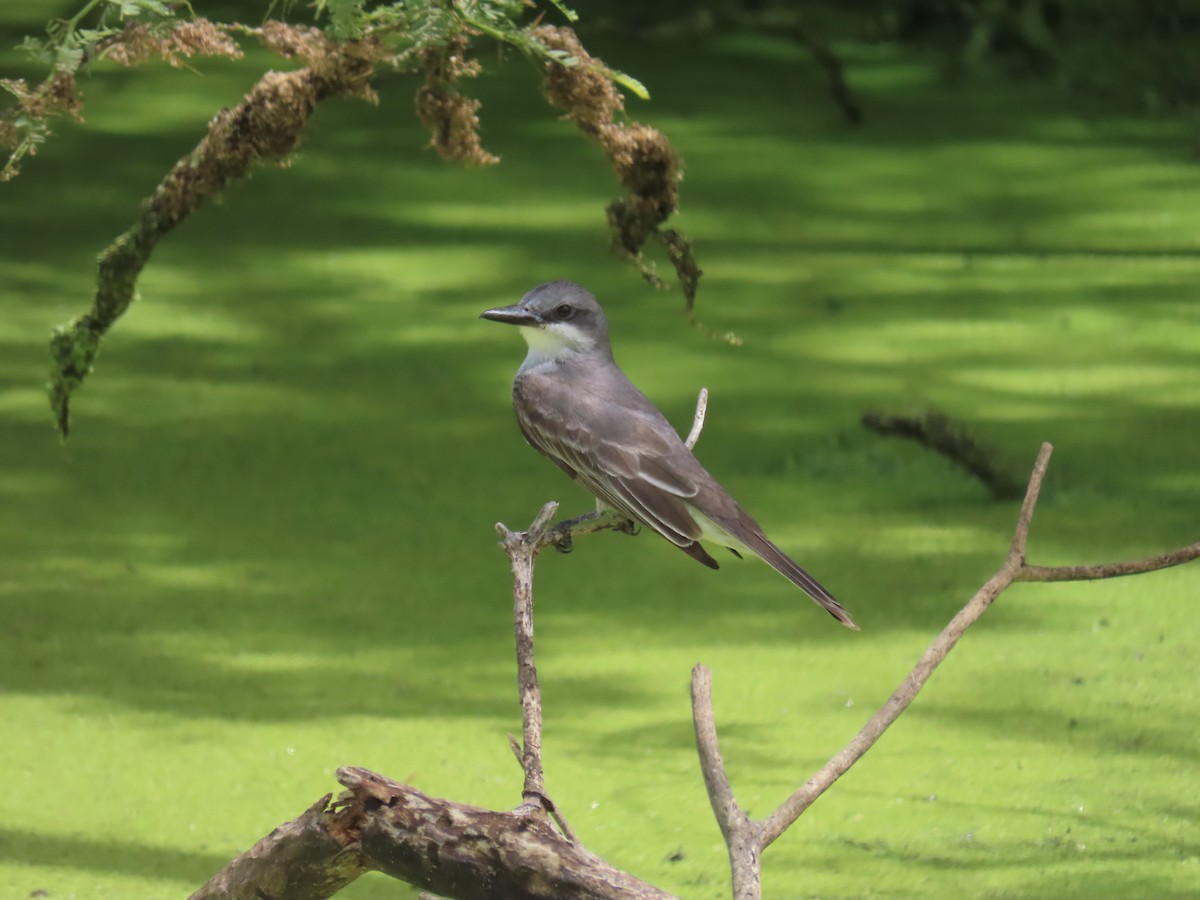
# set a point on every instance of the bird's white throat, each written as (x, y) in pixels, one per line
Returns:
(552, 343)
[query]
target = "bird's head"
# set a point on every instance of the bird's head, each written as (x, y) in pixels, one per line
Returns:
(557, 319)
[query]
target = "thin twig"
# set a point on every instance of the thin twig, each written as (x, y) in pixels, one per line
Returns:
(548, 803)
(1025, 517)
(698, 419)
(542, 519)
(564, 533)
(1111, 570)
(790, 810)
(832, 65)
(522, 548)
(563, 825)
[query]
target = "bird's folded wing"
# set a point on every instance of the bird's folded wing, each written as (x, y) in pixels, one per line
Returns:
(630, 472)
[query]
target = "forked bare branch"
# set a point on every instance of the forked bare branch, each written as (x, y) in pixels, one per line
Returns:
(746, 838)
(1111, 570)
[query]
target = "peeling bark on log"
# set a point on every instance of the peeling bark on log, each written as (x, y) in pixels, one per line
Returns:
(311, 857)
(468, 853)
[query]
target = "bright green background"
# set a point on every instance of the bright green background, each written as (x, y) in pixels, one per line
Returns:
(267, 549)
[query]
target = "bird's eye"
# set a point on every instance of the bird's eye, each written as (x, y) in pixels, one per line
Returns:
(564, 311)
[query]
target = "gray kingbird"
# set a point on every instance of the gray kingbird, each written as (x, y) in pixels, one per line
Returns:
(577, 407)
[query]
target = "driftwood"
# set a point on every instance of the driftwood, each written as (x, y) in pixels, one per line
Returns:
(451, 849)
(465, 852)
(309, 858)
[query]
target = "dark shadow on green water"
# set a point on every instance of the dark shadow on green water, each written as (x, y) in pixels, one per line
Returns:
(112, 856)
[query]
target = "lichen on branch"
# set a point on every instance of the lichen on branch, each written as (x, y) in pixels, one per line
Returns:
(642, 158)
(140, 42)
(448, 114)
(69, 47)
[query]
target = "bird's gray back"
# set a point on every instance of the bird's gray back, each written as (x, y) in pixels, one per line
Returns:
(588, 417)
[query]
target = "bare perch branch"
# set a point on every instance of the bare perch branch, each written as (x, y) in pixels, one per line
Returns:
(521, 550)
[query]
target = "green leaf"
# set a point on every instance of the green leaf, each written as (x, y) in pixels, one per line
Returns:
(632, 84)
(568, 13)
(345, 18)
(131, 9)
(68, 57)
(36, 49)
(87, 37)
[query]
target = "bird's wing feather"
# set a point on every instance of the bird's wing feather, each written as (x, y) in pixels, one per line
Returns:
(664, 512)
(646, 462)
(627, 460)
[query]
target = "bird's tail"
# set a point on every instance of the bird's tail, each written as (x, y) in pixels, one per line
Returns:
(738, 530)
(788, 568)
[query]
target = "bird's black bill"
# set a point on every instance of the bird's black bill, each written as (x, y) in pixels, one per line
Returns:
(510, 315)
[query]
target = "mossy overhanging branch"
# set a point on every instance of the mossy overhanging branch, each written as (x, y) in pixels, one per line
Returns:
(642, 158)
(270, 121)
(267, 125)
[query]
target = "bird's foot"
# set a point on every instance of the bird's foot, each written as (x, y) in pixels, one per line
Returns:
(629, 527)
(565, 545)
